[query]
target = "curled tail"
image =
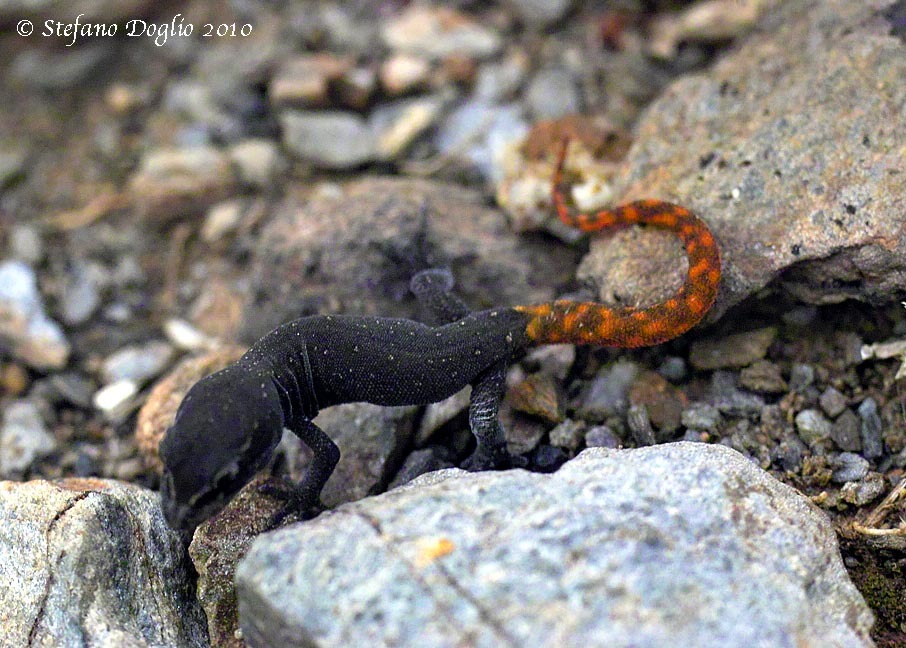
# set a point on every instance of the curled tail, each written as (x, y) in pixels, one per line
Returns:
(597, 324)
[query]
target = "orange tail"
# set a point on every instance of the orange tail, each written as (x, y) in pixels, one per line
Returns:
(597, 324)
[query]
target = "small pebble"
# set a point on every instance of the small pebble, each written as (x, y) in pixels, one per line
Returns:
(601, 436)
(860, 493)
(547, 459)
(257, 161)
(439, 32)
(553, 359)
(498, 81)
(673, 369)
(848, 467)
(402, 73)
(812, 426)
(137, 364)
(787, 455)
(25, 242)
(568, 435)
(73, 388)
(832, 402)
(479, 134)
(330, 139)
(845, 431)
(870, 431)
(81, 293)
(701, 416)
(640, 425)
(608, 393)
(27, 331)
(185, 336)
(801, 377)
(398, 124)
(553, 93)
(222, 219)
(538, 395)
(540, 13)
(729, 399)
(738, 350)
(116, 399)
(763, 376)
(23, 439)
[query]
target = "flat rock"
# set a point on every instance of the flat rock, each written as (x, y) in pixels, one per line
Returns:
(91, 562)
(681, 544)
(818, 191)
(333, 140)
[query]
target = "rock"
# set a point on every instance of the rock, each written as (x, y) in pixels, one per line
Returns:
(355, 252)
(137, 363)
(222, 219)
(306, 81)
(372, 441)
(737, 131)
(813, 428)
(729, 399)
(848, 467)
(420, 462)
(175, 182)
(25, 329)
(397, 125)
(832, 402)
(540, 13)
(673, 369)
(801, 377)
(117, 399)
(607, 394)
(257, 161)
(870, 431)
(481, 134)
(51, 70)
(81, 293)
(639, 424)
(737, 350)
(333, 140)
(663, 402)
(863, 491)
(438, 32)
(402, 73)
(490, 558)
(12, 167)
(553, 359)
(712, 21)
(601, 436)
(701, 416)
(763, 376)
(497, 82)
(159, 410)
(845, 432)
(90, 561)
(23, 438)
(553, 93)
(568, 435)
(538, 395)
(217, 547)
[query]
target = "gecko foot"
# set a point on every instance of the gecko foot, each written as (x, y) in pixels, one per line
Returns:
(298, 502)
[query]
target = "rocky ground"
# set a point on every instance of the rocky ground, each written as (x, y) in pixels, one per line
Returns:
(166, 199)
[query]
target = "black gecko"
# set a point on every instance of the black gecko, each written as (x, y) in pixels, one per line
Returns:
(229, 423)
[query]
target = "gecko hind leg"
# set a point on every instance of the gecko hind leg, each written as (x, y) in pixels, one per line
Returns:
(491, 451)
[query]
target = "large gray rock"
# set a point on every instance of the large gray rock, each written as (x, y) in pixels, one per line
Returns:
(682, 544)
(791, 148)
(91, 562)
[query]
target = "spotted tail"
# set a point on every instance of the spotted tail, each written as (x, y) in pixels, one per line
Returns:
(600, 325)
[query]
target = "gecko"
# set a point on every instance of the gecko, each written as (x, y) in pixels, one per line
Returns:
(229, 423)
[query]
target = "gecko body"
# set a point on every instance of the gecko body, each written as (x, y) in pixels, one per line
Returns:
(229, 423)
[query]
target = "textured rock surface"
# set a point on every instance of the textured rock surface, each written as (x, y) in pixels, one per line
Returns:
(791, 148)
(350, 252)
(91, 562)
(683, 544)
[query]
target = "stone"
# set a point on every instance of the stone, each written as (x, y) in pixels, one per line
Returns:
(568, 435)
(402, 73)
(92, 562)
(663, 402)
(397, 125)
(540, 13)
(257, 161)
(739, 142)
(726, 396)
(870, 430)
(607, 394)
(812, 427)
(737, 350)
(601, 436)
(701, 416)
(538, 395)
(23, 438)
(763, 376)
(81, 293)
(25, 328)
(848, 467)
(832, 402)
(138, 363)
(329, 139)
(845, 431)
(537, 560)
(553, 93)
(437, 32)
(306, 81)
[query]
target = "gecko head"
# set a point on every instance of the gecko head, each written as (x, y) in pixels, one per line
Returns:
(226, 429)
